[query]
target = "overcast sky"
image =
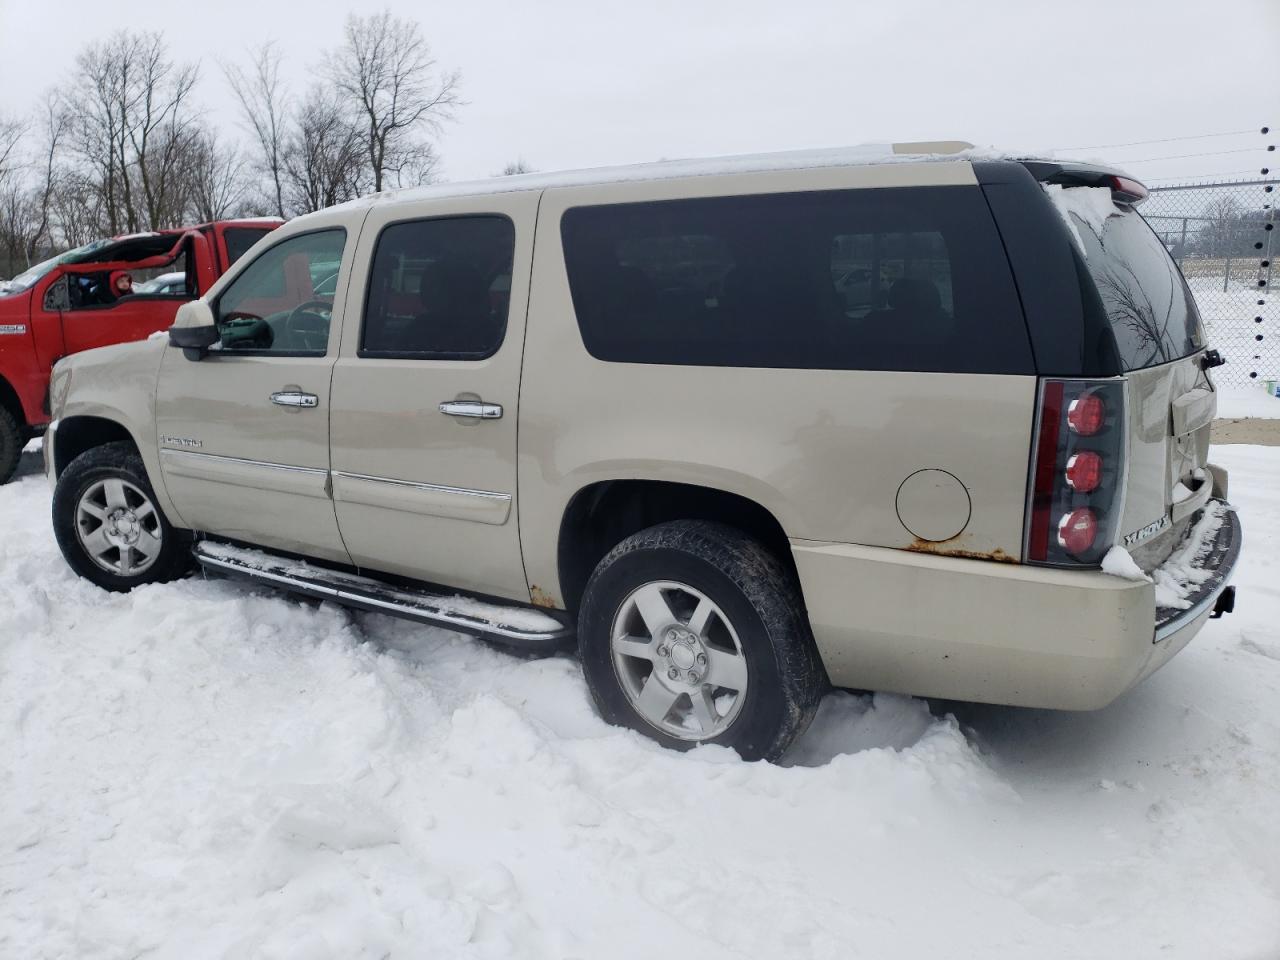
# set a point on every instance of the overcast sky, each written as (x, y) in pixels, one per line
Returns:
(571, 84)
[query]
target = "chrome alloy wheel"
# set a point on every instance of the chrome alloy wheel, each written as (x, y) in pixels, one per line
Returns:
(118, 527)
(679, 660)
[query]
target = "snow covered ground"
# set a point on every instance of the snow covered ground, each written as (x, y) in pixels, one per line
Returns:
(204, 770)
(1239, 402)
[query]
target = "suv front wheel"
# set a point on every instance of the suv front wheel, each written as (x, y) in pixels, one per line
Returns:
(108, 525)
(691, 632)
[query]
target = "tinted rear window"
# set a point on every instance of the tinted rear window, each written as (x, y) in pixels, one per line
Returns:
(1145, 300)
(875, 279)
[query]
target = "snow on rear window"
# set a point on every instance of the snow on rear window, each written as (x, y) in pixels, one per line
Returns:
(1146, 303)
(1091, 204)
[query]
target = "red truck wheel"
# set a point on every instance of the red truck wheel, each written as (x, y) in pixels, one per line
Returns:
(12, 440)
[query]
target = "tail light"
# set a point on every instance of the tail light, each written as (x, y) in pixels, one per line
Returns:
(1076, 482)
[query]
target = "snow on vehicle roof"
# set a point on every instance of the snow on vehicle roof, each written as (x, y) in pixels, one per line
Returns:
(868, 153)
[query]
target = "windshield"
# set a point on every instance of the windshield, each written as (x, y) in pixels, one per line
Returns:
(1146, 302)
(28, 278)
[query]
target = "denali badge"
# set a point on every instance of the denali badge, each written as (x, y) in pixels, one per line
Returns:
(181, 442)
(1150, 530)
(12, 328)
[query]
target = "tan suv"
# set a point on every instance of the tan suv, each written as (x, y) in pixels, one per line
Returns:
(748, 427)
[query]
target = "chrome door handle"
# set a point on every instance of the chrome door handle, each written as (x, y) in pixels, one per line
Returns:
(292, 398)
(471, 408)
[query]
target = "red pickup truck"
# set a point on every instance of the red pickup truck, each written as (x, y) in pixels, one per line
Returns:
(82, 299)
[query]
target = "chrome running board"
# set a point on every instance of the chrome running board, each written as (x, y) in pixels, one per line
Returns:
(526, 628)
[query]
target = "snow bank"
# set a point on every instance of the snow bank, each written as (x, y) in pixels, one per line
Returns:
(204, 770)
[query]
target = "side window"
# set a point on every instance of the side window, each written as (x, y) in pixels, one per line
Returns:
(273, 305)
(439, 289)
(874, 279)
(240, 239)
(867, 267)
(57, 297)
(103, 288)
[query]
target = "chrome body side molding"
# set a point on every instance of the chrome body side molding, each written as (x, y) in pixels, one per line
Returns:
(430, 499)
(259, 474)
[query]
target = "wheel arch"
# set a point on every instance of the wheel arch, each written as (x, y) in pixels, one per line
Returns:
(77, 434)
(10, 400)
(602, 514)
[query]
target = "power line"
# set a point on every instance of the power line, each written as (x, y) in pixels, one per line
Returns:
(1142, 143)
(1201, 176)
(1184, 156)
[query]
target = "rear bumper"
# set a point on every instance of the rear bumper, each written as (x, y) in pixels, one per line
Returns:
(988, 632)
(1220, 558)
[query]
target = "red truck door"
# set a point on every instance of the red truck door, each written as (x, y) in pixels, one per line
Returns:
(129, 318)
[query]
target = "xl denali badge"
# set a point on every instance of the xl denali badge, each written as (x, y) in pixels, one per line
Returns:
(1150, 530)
(181, 442)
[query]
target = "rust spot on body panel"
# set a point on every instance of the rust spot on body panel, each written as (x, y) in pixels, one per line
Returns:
(940, 549)
(541, 598)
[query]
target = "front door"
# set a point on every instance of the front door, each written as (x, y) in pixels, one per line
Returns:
(425, 393)
(244, 431)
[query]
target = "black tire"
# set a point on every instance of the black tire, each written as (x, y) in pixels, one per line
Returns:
(785, 677)
(12, 439)
(114, 461)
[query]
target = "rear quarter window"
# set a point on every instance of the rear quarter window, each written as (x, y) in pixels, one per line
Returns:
(1143, 297)
(874, 279)
(240, 239)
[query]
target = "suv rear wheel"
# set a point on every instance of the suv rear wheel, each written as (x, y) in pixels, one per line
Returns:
(108, 524)
(12, 440)
(691, 632)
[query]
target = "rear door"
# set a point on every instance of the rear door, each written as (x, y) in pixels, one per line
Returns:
(425, 393)
(1160, 339)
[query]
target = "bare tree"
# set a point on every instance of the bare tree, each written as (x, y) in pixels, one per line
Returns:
(323, 157)
(264, 104)
(55, 128)
(11, 133)
(132, 127)
(25, 201)
(15, 198)
(215, 184)
(515, 168)
(1222, 223)
(78, 209)
(385, 70)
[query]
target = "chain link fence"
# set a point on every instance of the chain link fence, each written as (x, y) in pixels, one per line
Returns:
(1222, 236)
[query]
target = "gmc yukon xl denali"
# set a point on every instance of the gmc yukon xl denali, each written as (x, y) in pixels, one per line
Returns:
(77, 301)
(745, 428)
